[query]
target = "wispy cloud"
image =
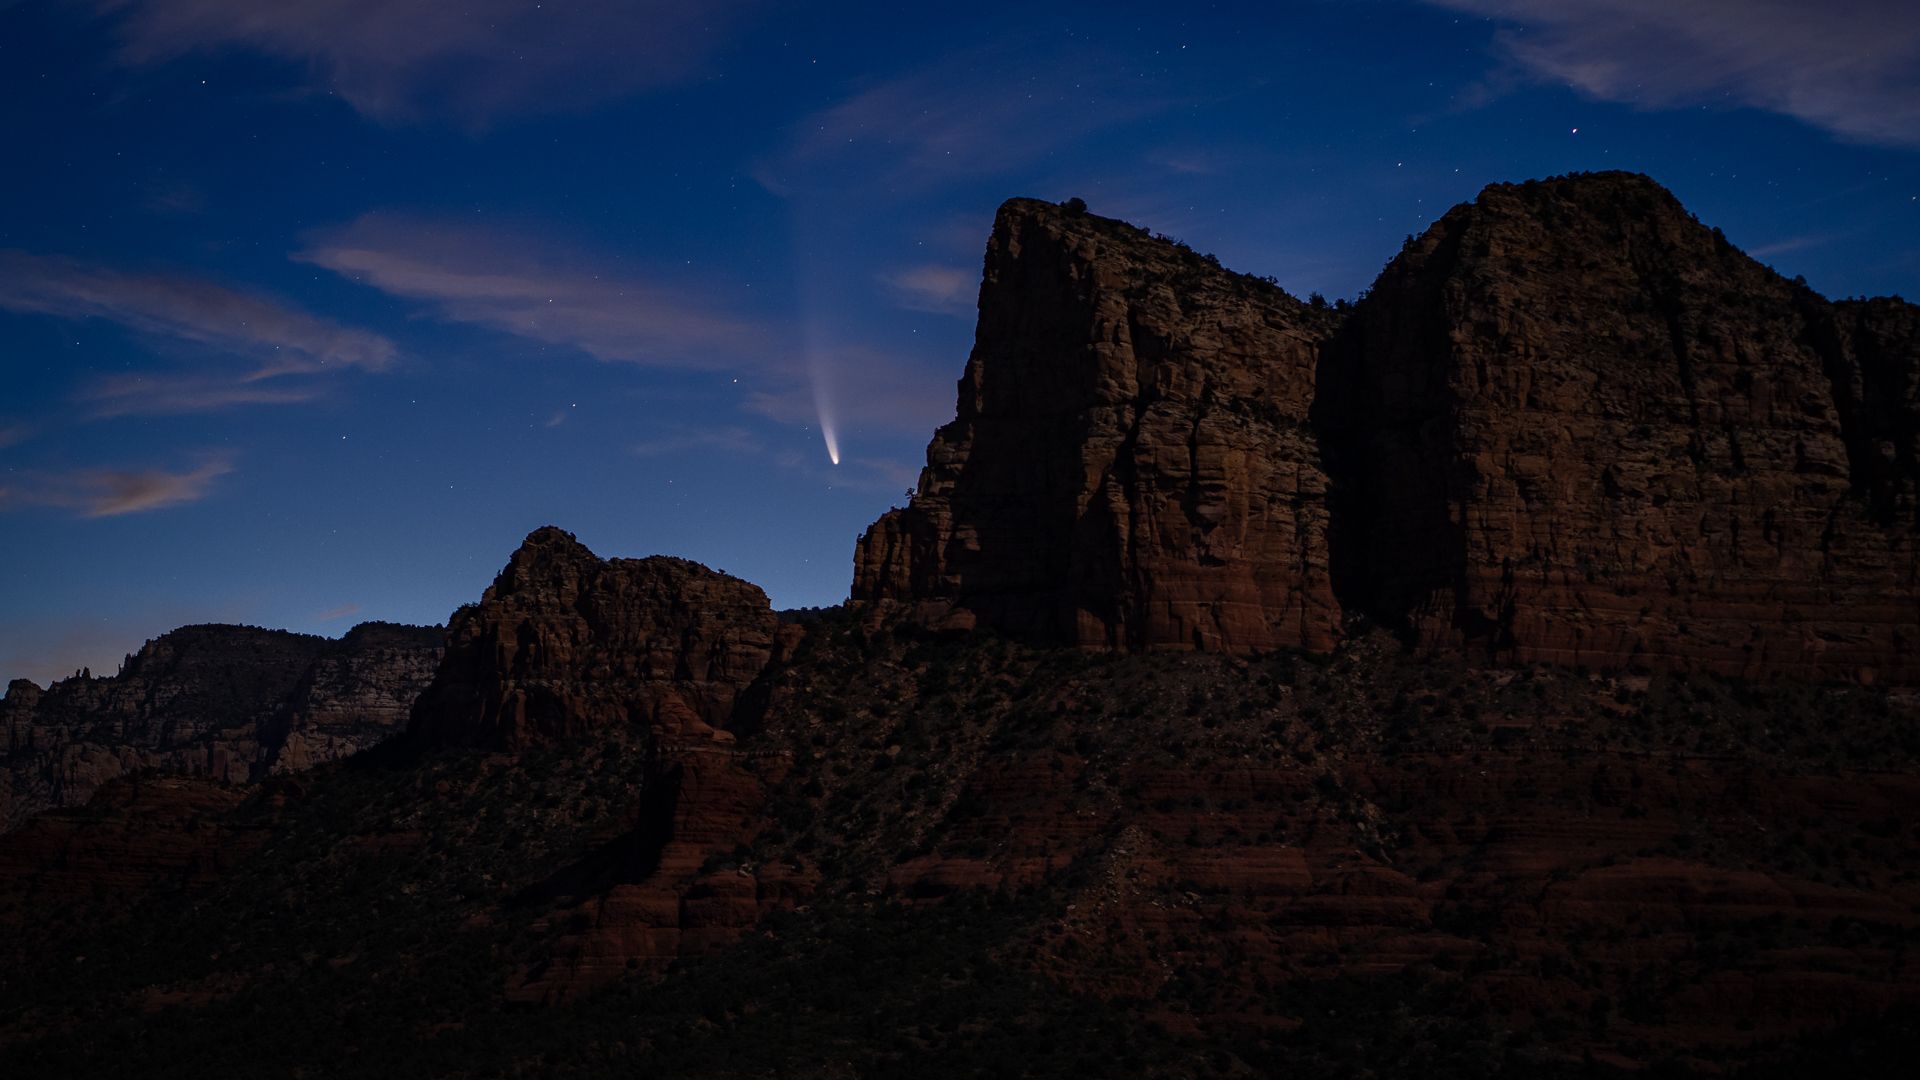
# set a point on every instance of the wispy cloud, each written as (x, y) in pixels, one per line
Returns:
(406, 61)
(280, 338)
(940, 290)
(13, 434)
(534, 290)
(111, 492)
(282, 351)
(976, 114)
(174, 394)
(344, 611)
(1851, 67)
(1792, 243)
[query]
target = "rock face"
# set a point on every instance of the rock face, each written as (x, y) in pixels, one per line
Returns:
(565, 643)
(1131, 465)
(1571, 424)
(660, 899)
(233, 703)
(660, 651)
(353, 696)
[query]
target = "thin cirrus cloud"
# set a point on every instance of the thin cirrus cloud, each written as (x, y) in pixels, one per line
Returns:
(179, 394)
(284, 349)
(934, 288)
(975, 114)
(282, 339)
(111, 492)
(1850, 67)
(519, 286)
(421, 61)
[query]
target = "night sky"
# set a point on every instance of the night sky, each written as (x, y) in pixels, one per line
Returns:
(310, 311)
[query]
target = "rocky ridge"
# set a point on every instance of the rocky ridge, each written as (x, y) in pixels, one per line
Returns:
(663, 654)
(1295, 847)
(565, 643)
(1569, 423)
(233, 703)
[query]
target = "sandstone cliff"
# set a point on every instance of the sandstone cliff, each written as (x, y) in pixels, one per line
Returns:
(659, 653)
(234, 703)
(1131, 465)
(1569, 424)
(1572, 424)
(565, 643)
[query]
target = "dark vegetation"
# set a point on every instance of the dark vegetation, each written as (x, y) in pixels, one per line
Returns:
(395, 895)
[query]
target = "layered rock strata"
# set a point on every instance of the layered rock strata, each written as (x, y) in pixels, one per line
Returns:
(232, 703)
(1131, 464)
(1572, 424)
(565, 643)
(1569, 424)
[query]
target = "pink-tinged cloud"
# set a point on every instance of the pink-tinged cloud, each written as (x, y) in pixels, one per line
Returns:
(469, 63)
(332, 614)
(177, 394)
(278, 338)
(936, 289)
(520, 286)
(1851, 67)
(111, 492)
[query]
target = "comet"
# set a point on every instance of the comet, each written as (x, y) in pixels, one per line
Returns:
(823, 408)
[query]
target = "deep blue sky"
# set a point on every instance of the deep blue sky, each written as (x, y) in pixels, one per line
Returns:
(309, 312)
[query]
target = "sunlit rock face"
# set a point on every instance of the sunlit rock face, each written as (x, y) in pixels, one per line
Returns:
(1131, 465)
(565, 643)
(1572, 424)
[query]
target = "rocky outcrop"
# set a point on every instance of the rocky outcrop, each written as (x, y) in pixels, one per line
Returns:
(664, 652)
(231, 703)
(1571, 424)
(564, 643)
(658, 893)
(353, 696)
(1131, 465)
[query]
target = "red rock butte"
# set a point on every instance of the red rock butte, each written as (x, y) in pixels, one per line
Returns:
(564, 643)
(1568, 424)
(1131, 465)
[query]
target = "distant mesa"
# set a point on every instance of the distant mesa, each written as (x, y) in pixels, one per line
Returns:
(233, 703)
(1568, 424)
